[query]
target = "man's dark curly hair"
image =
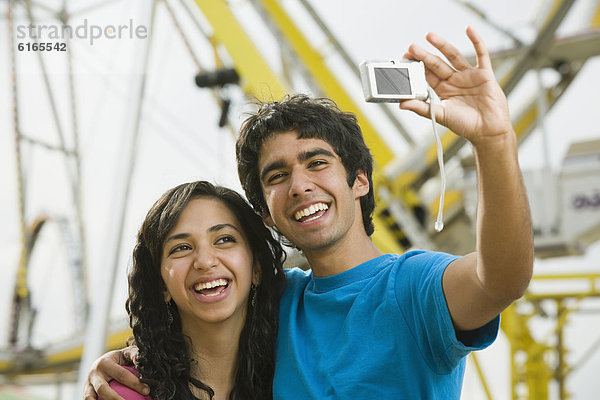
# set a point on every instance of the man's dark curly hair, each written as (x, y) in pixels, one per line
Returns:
(318, 118)
(163, 360)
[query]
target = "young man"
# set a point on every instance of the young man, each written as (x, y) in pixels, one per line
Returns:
(363, 324)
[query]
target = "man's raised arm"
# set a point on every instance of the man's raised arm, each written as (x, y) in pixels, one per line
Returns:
(480, 285)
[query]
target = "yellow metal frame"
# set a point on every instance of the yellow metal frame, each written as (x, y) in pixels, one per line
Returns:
(258, 79)
(530, 366)
(328, 82)
(64, 360)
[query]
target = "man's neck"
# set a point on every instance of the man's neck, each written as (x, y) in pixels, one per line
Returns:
(342, 256)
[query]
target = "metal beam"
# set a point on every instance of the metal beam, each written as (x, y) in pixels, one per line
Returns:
(329, 83)
(63, 358)
(538, 48)
(258, 79)
(451, 142)
(566, 49)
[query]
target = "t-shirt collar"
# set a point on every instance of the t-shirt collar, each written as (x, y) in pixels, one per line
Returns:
(358, 273)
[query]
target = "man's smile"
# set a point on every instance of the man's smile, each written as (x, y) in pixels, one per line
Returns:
(311, 212)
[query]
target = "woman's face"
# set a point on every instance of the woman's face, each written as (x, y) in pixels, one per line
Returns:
(207, 264)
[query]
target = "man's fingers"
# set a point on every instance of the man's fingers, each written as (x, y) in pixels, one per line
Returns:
(456, 59)
(417, 106)
(106, 393)
(130, 380)
(99, 385)
(423, 109)
(107, 368)
(483, 56)
(408, 56)
(432, 79)
(432, 62)
(112, 370)
(130, 354)
(88, 391)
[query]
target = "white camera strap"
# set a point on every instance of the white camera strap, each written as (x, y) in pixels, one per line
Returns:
(433, 101)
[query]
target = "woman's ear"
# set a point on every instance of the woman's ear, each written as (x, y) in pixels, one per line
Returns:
(256, 273)
(166, 295)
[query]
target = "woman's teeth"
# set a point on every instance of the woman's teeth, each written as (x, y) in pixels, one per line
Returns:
(204, 288)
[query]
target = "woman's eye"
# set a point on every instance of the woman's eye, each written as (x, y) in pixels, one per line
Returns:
(226, 239)
(179, 248)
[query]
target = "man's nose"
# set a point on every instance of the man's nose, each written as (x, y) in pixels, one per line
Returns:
(300, 182)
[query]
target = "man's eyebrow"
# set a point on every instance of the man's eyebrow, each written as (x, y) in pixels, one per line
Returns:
(270, 167)
(305, 155)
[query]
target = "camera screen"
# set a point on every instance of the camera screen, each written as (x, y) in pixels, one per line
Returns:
(392, 81)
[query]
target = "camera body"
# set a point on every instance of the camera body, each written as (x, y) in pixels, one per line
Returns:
(393, 81)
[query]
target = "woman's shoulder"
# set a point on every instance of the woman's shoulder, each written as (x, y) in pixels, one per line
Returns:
(124, 391)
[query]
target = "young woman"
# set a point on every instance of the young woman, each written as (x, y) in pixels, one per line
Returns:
(204, 291)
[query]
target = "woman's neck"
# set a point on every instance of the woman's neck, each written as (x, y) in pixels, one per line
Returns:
(214, 349)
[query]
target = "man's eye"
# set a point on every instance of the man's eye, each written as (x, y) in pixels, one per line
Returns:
(316, 163)
(276, 177)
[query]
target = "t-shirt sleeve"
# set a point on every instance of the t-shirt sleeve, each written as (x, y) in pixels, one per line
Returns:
(421, 301)
(124, 391)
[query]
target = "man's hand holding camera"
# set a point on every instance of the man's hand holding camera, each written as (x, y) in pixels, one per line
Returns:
(473, 104)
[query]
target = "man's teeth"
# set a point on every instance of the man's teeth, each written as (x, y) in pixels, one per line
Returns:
(210, 284)
(310, 210)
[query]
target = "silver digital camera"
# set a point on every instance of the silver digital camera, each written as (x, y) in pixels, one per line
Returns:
(393, 81)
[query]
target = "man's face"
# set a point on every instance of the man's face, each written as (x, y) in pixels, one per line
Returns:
(306, 191)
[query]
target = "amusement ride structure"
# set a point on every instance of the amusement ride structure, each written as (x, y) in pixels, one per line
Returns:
(565, 205)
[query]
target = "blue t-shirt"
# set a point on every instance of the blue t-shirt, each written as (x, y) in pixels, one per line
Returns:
(381, 330)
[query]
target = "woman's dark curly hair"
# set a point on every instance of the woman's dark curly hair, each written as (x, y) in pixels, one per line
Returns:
(163, 359)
